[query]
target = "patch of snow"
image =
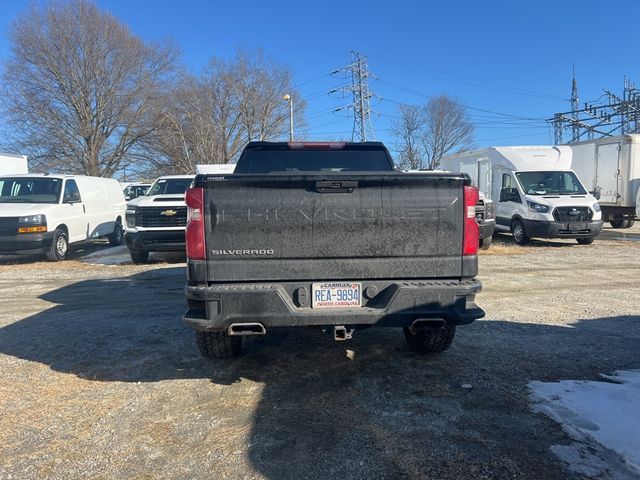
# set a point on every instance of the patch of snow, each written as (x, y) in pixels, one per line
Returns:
(603, 419)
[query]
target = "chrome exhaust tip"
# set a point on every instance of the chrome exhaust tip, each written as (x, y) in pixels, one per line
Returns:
(427, 324)
(251, 328)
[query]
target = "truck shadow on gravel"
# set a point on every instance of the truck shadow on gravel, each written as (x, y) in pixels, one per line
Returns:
(366, 409)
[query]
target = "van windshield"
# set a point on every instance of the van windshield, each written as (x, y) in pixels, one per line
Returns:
(170, 186)
(550, 183)
(30, 190)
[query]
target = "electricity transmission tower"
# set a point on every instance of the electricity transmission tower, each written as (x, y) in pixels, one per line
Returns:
(616, 115)
(359, 72)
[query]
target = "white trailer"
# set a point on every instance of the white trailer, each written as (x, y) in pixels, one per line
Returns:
(610, 168)
(535, 192)
(13, 164)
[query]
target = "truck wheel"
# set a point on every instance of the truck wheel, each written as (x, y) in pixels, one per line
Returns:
(619, 223)
(585, 241)
(430, 341)
(139, 256)
(519, 235)
(485, 243)
(218, 345)
(59, 246)
(629, 223)
(117, 237)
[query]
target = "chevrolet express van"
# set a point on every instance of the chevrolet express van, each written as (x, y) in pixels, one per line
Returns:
(48, 213)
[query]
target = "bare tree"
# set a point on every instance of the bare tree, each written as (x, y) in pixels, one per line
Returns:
(447, 129)
(80, 90)
(408, 129)
(213, 115)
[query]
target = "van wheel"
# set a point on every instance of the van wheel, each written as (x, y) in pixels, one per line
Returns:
(218, 345)
(485, 243)
(430, 341)
(59, 247)
(630, 223)
(117, 237)
(619, 223)
(139, 256)
(585, 241)
(519, 235)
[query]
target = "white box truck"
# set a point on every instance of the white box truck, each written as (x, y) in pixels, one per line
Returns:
(610, 168)
(13, 164)
(47, 213)
(534, 191)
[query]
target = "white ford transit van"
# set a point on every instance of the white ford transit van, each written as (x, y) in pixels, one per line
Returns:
(46, 213)
(536, 193)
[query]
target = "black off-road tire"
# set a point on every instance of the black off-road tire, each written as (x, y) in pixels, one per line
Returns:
(619, 223)
(139, 256)
(485, 243)
(59, 246)
(585, 241)
(519, 234)
(218, 345)
(430, 341)
(117, 237)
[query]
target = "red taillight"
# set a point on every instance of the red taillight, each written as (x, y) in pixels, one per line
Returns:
(471, 236)
(194, 235)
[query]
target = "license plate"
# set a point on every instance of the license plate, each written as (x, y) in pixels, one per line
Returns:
(577, 226)
(336, 295)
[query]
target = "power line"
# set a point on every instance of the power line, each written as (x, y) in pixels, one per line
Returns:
(468, 80)
(426, 96)
(360, 107)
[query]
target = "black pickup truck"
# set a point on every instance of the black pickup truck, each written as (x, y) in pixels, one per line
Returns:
(329, 236)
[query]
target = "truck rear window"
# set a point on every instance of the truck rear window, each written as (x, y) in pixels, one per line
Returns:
(295, 161)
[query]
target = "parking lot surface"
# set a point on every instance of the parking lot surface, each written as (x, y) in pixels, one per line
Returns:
(100, 379)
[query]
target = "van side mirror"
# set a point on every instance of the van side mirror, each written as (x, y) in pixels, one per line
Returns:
(510, 195)
(74, 197)
(596, 193)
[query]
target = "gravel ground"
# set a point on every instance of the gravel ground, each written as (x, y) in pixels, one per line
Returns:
(101, 380)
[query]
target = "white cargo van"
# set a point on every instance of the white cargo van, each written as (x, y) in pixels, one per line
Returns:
(47, 213)
(13, 164)
(610, 167)
(536, 194)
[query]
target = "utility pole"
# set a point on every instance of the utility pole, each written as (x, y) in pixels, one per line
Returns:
(359, 72)
(288, 98)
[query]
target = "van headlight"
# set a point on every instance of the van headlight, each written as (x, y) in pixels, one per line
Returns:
(596, 207)
(32, 224)
(130, 216)
(33, 220)
(537, 207)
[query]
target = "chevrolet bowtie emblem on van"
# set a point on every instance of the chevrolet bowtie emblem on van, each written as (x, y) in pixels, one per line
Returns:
(168, 213)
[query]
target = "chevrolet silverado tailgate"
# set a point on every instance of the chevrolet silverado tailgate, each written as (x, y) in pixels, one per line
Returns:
(332, 227)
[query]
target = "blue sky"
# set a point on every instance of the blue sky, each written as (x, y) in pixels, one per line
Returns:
(509, 61)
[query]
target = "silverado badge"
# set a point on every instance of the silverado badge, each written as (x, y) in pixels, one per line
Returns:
(168, 213)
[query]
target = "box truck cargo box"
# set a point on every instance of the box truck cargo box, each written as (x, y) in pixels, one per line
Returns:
(610, 168)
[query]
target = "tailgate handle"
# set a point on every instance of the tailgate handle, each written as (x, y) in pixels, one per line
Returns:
(336, 186)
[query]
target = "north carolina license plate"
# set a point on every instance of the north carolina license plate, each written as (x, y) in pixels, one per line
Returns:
(336, 295)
